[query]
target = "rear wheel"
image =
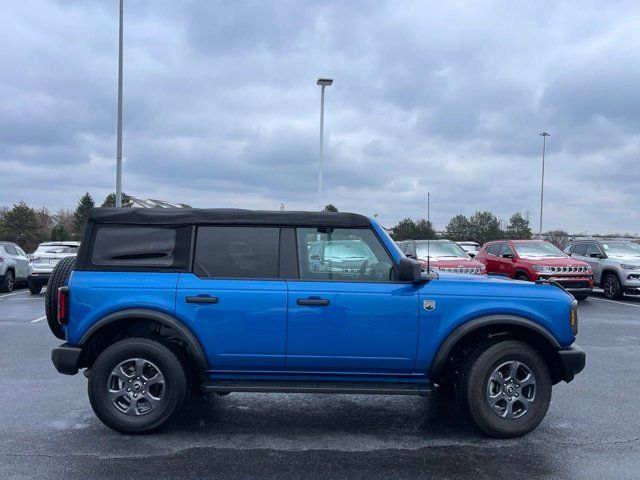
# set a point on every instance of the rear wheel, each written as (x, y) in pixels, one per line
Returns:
(59, 278)
(35, 288)
(611, 286)
(506, 388)
(8, 283)
(136, 384)
(521, 276)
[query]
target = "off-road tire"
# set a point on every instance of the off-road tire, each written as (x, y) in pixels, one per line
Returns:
(8, 283)
(35, 288)
(474, 382)
(175, 386)
(59, 278)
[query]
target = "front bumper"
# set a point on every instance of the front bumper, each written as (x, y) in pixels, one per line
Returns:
(572, 362)
(39, 278)
(66, 358)
(572, 284)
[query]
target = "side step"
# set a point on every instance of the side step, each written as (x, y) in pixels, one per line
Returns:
(265, 386)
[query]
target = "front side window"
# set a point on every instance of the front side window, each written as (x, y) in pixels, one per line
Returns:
(579, 249)
(343, 254)
(593, 248)
(237, 252)
(506, 250)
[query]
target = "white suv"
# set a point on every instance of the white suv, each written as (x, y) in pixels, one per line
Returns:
(47, 256)
(615, 264)
(13, 266)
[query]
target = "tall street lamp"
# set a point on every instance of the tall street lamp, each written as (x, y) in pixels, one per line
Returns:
(544, 136)
(119, 133)
(323, 82)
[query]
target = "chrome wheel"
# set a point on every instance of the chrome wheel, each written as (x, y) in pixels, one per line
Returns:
(511, 389)
(136, 387)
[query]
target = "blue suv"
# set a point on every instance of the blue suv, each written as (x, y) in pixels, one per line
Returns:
(160, 302)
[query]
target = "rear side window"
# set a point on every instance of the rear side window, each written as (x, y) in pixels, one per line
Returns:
(139, 247)
(237, 252)
(494, 249)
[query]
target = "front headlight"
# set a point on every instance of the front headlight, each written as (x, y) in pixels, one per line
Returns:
(573, 317)
(627, 266)
(542, 268)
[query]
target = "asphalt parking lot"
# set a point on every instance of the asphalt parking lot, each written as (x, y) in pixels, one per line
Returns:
(47, 428)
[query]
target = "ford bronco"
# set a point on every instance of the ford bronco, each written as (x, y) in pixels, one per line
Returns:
(162, 301)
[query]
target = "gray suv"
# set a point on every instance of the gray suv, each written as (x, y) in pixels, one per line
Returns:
(47, 256)
(615, 264)
(13, 266)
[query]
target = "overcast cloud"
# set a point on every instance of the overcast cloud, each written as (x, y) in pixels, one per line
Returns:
(222, 110)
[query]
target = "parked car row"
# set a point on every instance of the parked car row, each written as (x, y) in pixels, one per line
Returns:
(612, 265)
(16, 267)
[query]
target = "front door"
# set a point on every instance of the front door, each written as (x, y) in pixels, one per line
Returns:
(347, 313)
(234, 301)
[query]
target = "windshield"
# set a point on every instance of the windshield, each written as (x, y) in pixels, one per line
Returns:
(347, 250)
(471, 248)
(57, 249)
(538, 250)
(440, 250)
(621, 249)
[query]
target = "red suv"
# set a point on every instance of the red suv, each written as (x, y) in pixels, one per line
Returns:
(537, 260)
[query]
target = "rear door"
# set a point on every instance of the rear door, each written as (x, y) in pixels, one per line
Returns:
(351, 316)
(234, 298)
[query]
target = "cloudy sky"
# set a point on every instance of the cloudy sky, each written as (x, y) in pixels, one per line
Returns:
(222, 110)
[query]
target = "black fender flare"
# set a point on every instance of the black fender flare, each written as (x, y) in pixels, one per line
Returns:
(470, 326)
(160, 317)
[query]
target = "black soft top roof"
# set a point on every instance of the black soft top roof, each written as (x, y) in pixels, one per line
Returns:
(226, 216)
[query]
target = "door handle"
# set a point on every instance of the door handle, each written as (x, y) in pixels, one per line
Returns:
(317, 302)
(202, 299)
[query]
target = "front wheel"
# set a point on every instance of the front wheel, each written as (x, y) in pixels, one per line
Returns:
(136, 384)
(611, 286)
(506, 388)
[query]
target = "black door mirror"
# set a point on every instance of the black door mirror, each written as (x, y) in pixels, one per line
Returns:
(409, 255)
(595, 255)
(508, 255)
(409, 270)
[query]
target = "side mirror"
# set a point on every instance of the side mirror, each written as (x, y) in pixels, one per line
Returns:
(409, 255)
(595, 255)
(410, 270)
(314, 257)
(508, 255)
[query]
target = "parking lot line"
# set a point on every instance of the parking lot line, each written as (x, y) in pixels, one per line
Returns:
(39, 319)
(9, 294)
(614, 301)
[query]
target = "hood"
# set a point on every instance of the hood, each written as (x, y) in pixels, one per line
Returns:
(634, 260)
(462, 262)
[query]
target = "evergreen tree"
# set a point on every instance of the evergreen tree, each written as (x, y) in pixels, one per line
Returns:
(424, 230)
(405, 230)
(484, 227)
(110, 200)
(60, 234)
(458, 229)
(518, 228)
(22, 226)
(330, 208)
(81, 214)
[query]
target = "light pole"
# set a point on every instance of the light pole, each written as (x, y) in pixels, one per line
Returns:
(323, 82)
(544, 136)
(119, 132)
